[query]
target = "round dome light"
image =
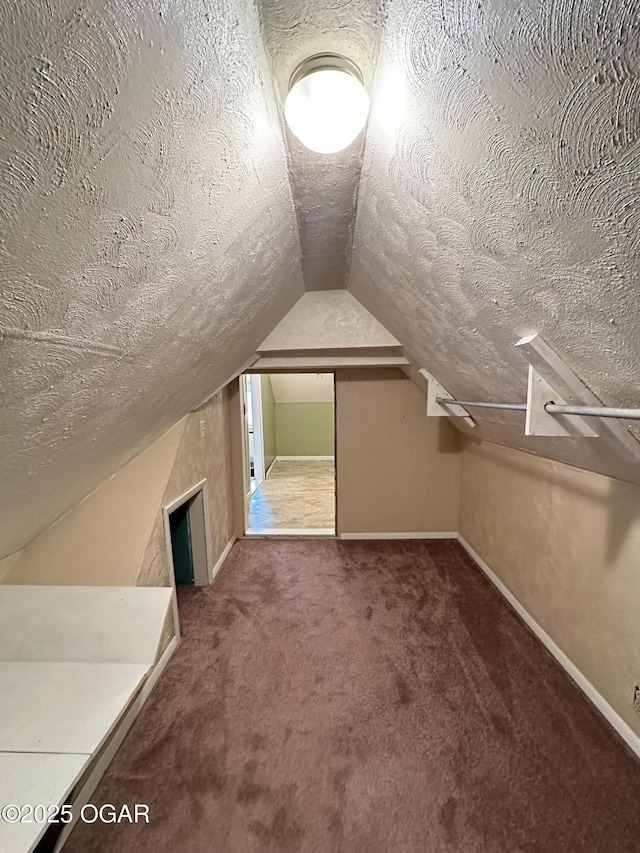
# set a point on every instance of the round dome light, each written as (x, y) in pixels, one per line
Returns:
(327, 105)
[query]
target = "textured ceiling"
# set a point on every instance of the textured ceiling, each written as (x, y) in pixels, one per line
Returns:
(330, 320)
(325, 187)
(499, 196)
(149, 240)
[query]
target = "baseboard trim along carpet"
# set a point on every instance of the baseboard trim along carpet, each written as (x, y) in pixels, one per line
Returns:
(444, 534)
(218, 564)
(290, 532)
(303, 459)
(120, 732)
(613, 718)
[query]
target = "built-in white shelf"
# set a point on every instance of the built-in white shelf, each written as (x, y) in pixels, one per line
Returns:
(111, 624)
(73, 661)
(36, 779)
(63, 707)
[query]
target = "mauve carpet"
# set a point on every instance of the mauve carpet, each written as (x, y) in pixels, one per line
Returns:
(364, 697)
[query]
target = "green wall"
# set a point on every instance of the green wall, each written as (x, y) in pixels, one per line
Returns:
(268, 420)
(304, 429)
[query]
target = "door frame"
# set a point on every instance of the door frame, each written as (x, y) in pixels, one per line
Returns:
(258, 433)
(200, 536)
(240, 450)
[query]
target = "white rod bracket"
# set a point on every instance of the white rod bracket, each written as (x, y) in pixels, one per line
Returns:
(551, 379)
(540, 422)
(437, 410)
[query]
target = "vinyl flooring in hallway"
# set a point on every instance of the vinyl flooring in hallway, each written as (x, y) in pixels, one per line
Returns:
(297, 494)
(364, 697)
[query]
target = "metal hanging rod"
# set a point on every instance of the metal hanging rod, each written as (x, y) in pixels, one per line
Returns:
(593, 411)
(551, 408)
(445, 401)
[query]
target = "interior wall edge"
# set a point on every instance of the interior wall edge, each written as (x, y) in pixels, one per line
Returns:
(246, 368)
(8, 563)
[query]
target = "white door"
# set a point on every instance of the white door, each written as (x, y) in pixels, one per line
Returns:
(254, 427)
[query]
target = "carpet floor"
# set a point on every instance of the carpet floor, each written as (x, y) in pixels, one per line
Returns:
(364, 697)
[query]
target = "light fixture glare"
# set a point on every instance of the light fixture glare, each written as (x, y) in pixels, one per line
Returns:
(326, 108)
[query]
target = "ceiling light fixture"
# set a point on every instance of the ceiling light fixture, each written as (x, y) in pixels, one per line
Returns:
(327, 105)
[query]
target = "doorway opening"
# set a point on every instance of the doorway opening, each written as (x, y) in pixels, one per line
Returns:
(187, 537)
(289, 449)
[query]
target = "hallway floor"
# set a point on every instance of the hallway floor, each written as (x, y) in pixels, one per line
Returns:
(297, 494)
(364, 697)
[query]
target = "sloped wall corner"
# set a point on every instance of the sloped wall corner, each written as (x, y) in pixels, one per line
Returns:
(101, 541)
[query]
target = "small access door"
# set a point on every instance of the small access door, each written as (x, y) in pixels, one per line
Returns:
(181, 545)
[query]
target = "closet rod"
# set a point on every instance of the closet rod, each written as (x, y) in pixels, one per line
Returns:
(445, 401)
(551, 408)
(593, 411)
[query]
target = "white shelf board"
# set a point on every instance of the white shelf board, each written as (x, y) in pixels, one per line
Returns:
(63, 707)
(34, 778)
(82, 623)
(326, 362)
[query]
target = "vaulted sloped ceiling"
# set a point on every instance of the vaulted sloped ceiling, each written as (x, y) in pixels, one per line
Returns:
(155, 227)
(325, 187)
(149, 240)
(499, 196)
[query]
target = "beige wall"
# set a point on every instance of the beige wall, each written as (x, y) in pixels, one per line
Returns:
(397, 470)
(566, 543)
(101, 541)
(116, 536)
(197, 458)
(7, 565)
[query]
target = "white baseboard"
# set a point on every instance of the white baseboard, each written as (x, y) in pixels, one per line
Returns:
(304, 459)
(84, 794)
(218, 564)
(435, 535)
(290, 532)
(613, 718)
